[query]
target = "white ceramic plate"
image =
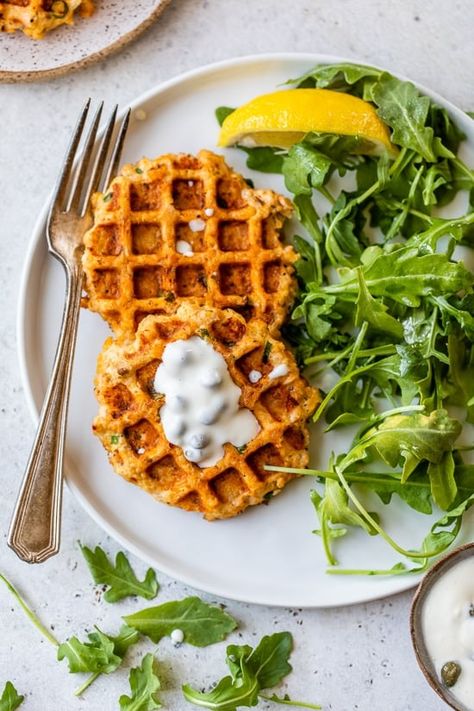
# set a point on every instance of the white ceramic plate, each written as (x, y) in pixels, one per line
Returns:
(268, 555)
(113, 25)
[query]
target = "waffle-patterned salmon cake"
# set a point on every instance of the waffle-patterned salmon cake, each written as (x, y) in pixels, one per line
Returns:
(185, 228)
(36, 17)
(130, 426)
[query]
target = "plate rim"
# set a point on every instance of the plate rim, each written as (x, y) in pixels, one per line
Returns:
(14, 77)
(401, 584)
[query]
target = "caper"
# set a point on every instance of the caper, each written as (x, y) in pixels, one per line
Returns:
(59, 9)
(450, 673)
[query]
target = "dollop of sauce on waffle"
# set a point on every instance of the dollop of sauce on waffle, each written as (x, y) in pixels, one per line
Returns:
(201, 411)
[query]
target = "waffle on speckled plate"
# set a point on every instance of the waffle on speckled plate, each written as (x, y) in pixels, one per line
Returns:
(187, 229)
(36, 17)
(130, 429)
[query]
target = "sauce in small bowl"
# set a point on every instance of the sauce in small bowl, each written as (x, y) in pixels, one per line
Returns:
(442, 627)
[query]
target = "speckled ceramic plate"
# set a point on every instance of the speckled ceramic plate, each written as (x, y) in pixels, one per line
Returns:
(268, 555)
(114, 24)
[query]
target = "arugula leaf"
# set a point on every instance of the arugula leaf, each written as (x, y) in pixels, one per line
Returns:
(404, 276)
(310, 163)
(405, 110)
(305, 168)
(342, 77)
(309, 219)
(408, 438)
(461, 373)
(333, 509)
(443, 483)
(126, 638)
(230, 693)
(251, 671)
(264, 159)
(417, 494)
(269, 661)
(10, 699)
(445, 530)
(120, 577)
(74, 650)
(97, 655)
(201, 623)
(144, 685)
(374, 312)
(222, 112)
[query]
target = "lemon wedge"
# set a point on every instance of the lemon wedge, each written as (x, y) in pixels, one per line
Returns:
(282, 118)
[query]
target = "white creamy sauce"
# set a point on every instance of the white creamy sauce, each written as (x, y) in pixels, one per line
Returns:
(255, 376)
(197, 225)
(448, 626)
(278, 371)
(201, 411)
(183, 247)
(209, 212)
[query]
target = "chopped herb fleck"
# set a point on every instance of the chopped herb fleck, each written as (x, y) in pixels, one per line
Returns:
(241, 449)
(107, 197)
(59, 9)
(114, 439)
(266, 351)
(139, 171)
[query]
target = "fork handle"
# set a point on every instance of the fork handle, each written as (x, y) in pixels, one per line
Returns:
(35, 529)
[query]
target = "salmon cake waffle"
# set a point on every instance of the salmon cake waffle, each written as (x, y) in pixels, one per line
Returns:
(134, 415)
(36, 17)
(185, 228)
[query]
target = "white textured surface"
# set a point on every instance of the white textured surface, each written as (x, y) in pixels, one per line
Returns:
(354, 658)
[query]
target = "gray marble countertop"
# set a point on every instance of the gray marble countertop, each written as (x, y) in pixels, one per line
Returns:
(350, 658)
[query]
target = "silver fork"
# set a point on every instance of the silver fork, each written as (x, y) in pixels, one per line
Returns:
(35, 529)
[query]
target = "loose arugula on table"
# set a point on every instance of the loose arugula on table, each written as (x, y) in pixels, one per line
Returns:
(120, 577)
(386, 308)
(144, 685)
(102, 654)
(202, 624)
(10, 698)
(251, 671)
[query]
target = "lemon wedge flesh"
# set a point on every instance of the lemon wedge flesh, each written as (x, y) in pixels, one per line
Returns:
(283, 118)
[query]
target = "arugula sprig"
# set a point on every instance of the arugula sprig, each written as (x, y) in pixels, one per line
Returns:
(10, 698)
(251, 671)
(102, 654)
(385, 307)
(144, 685)
(120, 577)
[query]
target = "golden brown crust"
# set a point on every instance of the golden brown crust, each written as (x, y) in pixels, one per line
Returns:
(131, 263)
(129, 425)
(36, 17)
